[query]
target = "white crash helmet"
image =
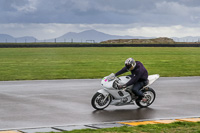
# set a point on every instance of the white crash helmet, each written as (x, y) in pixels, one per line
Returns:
(130, 64)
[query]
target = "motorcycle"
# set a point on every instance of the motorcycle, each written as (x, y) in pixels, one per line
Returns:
(112, 95)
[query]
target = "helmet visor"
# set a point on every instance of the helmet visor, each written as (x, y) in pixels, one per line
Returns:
(129, 67)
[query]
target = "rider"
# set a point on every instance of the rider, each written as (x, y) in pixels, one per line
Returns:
(139, 77)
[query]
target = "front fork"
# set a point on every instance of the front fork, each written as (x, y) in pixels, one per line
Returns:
(105, 93)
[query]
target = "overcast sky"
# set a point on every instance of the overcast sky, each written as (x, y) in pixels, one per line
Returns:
(46, 19)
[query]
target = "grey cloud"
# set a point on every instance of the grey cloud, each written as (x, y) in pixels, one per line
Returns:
(162, 12)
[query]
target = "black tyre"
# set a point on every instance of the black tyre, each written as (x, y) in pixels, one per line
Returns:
(100, 102)
(150, 95)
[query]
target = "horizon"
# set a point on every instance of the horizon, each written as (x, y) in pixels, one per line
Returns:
(54, 39)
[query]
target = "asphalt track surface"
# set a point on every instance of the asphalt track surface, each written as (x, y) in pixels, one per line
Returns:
(46, 103)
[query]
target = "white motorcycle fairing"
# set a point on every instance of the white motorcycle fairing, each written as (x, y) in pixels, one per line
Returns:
(120, 96)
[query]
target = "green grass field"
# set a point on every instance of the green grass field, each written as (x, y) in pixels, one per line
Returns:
(90, 62)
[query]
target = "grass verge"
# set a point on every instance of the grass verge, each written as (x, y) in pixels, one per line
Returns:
(77, 63)
(176, 127)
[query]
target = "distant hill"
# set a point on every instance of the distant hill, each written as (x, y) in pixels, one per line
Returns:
(4, 38)
(86, 36)
(96, 36)
(160, 40)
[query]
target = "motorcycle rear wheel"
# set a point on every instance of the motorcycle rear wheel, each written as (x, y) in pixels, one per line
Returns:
(99, 102)
(150, 95)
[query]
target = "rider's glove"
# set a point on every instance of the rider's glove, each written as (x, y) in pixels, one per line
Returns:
(111, 76)
(121, 87)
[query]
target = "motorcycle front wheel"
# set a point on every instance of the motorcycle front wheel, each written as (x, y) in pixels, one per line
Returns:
(100, 102)
(150, 96)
